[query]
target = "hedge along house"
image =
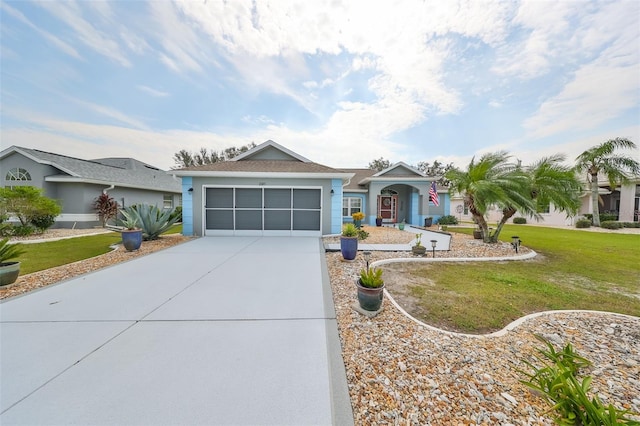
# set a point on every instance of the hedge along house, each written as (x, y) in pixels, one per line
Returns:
(76, 183)
(270, 190)
(397, 194)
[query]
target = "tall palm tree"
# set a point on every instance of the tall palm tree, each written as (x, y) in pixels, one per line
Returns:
(603, 159)
(494, 181)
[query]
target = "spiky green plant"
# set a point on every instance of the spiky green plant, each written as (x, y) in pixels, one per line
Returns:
(9, 251)
(152, 220)
(371, 278)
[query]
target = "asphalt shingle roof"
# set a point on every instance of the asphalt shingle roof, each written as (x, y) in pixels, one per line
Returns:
(264, 166)
(132, 173)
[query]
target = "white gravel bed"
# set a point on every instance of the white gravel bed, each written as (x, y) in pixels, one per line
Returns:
(402, 373)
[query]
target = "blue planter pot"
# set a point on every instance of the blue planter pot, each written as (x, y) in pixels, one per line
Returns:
(132, 240)
(357, 223)
(349, 247)
(370, 299)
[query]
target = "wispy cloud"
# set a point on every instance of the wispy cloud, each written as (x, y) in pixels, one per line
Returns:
(152, 92)
(55, 41)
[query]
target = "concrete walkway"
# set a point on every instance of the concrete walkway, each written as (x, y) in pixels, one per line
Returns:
(217, 331)
(443, 242)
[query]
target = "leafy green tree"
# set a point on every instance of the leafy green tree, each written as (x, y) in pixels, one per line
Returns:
(436, 169)
(380, 164)
(27, 203)
(184, 158)
(495, 181)
(603, 159)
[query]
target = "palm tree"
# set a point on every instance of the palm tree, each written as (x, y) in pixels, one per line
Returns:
(602, 159)
(494, 181)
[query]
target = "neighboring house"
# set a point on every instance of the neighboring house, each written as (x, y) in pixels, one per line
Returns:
(270, 190)
(623, 202)
(76, 183)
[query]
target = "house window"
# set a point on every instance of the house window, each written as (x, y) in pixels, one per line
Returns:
(543, 208)
(351, 205)
(18, 174)
(167, 201)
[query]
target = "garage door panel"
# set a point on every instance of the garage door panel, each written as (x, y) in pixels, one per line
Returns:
(219, 219)
(249, 220)
(277, 198)
(306, 198)
(248, 198)
(306, 220)
(277, 220)
(219, 198)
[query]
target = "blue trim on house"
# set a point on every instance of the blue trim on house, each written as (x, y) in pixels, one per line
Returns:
(187, 206)
(336, 206)
(363, 203)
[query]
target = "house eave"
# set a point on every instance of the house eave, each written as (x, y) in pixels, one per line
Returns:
(397, 179)
(71, 179)
(12, 149)
(263, 175)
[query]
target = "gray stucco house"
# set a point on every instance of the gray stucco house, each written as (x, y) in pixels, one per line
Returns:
(271, 190)
(76, 183)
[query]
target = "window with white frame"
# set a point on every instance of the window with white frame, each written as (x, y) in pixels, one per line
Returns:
(17, 174)
(167, 201)
(351, 205)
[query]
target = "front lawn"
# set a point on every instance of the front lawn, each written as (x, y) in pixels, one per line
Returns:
(574, 270)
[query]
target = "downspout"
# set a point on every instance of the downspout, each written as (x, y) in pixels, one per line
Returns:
(104, 191)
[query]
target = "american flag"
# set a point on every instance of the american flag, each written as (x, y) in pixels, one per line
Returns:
(433, 194)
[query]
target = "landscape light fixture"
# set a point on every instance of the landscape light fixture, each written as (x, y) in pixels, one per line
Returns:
(434, 243)
(515, 242)
(367, 256)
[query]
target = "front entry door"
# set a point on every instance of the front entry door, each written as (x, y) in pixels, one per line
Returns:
(388, 208)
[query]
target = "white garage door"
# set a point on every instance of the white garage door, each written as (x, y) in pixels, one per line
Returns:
(263, 210)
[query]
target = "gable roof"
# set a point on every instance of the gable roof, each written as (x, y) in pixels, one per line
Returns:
(124, 172)
(268, 159)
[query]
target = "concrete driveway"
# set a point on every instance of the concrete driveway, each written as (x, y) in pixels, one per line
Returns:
(217, 331)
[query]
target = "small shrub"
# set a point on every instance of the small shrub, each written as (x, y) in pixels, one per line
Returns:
(519, 220)
(152, 220)
(22, 230)
(606, 217)
(106, 208)
(583, 223)
(611, 224)
(555, 379)
(631, 224)
(43, 221)
(447, 220)
(177, 212)
(362, 234)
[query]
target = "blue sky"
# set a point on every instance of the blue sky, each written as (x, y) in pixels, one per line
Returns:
(339, 82)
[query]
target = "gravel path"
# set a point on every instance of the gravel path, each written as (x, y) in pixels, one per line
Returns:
(402, 373)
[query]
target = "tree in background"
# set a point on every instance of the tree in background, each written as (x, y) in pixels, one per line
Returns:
(495, 181)
(436, 169)
(602, 159)
(106, 208)
(184, 158)
(380, 164)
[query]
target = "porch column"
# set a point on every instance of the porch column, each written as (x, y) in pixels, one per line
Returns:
(627, 202)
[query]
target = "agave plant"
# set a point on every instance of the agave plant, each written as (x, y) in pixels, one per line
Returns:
(9, 251)
(152, 220)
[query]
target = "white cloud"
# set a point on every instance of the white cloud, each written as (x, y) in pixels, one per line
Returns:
(152, 92)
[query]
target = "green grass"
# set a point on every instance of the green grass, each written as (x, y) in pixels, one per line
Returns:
(574, 270)
(40, 256)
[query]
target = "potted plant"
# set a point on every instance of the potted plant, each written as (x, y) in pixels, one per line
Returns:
(357, 219)
(9, 271)
(401, 225)
(349, 241)
(131, 234)
(418, 248)
(378, 220)
(370, 287)
(428, 221)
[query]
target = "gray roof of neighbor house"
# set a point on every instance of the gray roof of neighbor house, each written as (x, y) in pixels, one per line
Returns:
(126, 172)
